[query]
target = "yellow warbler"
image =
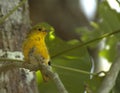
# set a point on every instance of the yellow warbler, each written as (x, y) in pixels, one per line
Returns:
(35, 44)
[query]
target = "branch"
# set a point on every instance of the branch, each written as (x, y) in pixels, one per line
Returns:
(48, 71)
(7, 64)
(54, 76)
(11, 64)
(109, 81)
(75, 70)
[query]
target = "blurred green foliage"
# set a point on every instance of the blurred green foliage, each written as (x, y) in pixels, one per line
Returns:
(109, 20)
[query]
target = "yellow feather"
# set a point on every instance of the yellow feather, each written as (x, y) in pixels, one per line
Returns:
(35, 42)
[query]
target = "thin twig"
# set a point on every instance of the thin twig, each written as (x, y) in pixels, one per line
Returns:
(73, 69)
(87, 43)
(9, 64)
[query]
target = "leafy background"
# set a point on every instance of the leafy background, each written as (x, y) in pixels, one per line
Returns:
(79, 58)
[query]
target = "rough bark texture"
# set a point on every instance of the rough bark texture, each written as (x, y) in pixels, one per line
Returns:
(12, 32)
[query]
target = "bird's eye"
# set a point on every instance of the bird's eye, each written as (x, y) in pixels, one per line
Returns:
(39, 29)
(49, 63)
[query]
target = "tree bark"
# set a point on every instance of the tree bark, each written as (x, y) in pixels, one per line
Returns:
(12, 32)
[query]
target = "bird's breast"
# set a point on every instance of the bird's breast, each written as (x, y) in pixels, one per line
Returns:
(39, 48)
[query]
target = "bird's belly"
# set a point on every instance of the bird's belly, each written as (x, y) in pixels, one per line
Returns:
(39, 48)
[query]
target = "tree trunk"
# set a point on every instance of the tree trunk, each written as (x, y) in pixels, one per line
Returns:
(12, 32)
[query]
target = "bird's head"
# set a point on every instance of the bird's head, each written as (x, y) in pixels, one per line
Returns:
(41, 29)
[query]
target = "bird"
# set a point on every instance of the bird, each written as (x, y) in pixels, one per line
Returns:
(35, 45)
